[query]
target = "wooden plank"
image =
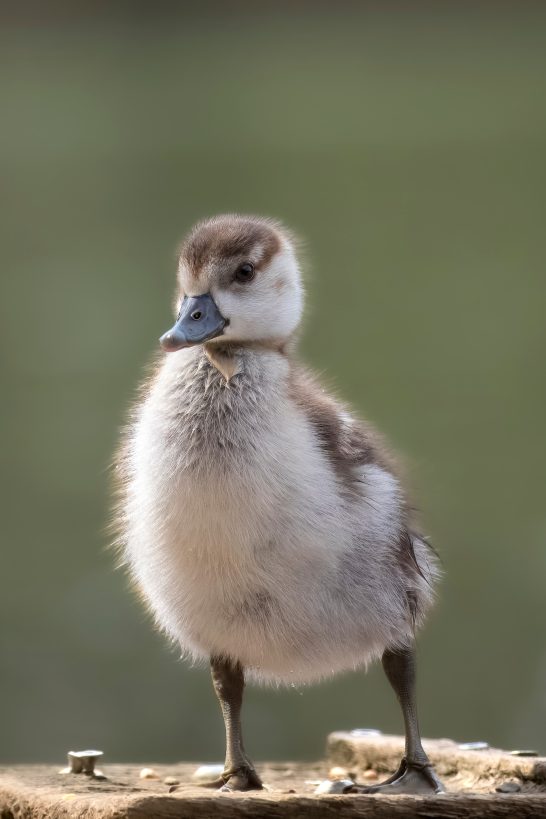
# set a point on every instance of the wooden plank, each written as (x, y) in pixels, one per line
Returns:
(40, 792)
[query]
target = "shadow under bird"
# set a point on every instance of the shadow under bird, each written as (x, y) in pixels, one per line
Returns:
(264, 524)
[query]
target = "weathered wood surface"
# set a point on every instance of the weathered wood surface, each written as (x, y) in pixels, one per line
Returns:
(460, 770)
(40, 792)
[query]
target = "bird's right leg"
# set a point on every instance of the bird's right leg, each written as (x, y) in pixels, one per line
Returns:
(239, 773)
(415, 774)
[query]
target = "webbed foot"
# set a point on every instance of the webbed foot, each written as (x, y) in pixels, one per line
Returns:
(411, 777)
(243, 778)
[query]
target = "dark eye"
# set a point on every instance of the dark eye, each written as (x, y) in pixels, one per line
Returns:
(245, 273)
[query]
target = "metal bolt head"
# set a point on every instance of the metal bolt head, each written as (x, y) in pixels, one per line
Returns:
(83, 762)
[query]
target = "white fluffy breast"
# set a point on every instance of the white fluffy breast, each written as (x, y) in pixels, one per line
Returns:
(238, 534)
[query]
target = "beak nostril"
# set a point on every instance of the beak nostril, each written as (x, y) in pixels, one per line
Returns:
(196, 315)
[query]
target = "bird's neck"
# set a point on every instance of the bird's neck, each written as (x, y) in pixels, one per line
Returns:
(229, 357)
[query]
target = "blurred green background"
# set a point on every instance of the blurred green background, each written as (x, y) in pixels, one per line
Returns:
(406, 144)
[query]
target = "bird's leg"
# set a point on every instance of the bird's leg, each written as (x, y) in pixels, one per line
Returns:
(415, 774)
(228, 680)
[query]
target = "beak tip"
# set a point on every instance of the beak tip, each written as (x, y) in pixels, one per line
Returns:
(170, 343)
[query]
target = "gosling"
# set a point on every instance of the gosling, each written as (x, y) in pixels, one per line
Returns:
(264, 524)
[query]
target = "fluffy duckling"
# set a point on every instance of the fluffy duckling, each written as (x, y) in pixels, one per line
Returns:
(266, 526)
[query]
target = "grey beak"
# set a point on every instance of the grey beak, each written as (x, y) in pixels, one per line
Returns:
(199, 321)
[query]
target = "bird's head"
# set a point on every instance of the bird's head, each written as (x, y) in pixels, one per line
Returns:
(239, 282)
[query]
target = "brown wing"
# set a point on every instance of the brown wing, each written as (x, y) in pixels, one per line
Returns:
(347, 441)
(350, 443)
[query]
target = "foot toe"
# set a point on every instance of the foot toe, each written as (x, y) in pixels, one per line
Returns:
(415, 779)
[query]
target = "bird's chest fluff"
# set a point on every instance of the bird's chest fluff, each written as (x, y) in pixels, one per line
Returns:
(234, 508)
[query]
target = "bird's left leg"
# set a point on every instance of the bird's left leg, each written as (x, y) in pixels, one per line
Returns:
(415, 774)
(228, 680)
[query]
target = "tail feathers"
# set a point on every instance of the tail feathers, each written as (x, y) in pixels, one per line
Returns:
(419, 563)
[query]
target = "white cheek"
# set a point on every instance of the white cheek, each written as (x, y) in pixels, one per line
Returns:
(260, 312)
(269, 307)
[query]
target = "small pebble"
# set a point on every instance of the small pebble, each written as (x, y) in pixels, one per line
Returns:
(509, 787)
(338, 773)
(171, 780)
(524, 753)
(208, 772)
(370, 775)
(335, 786)
(148, 773)
(473, 746)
